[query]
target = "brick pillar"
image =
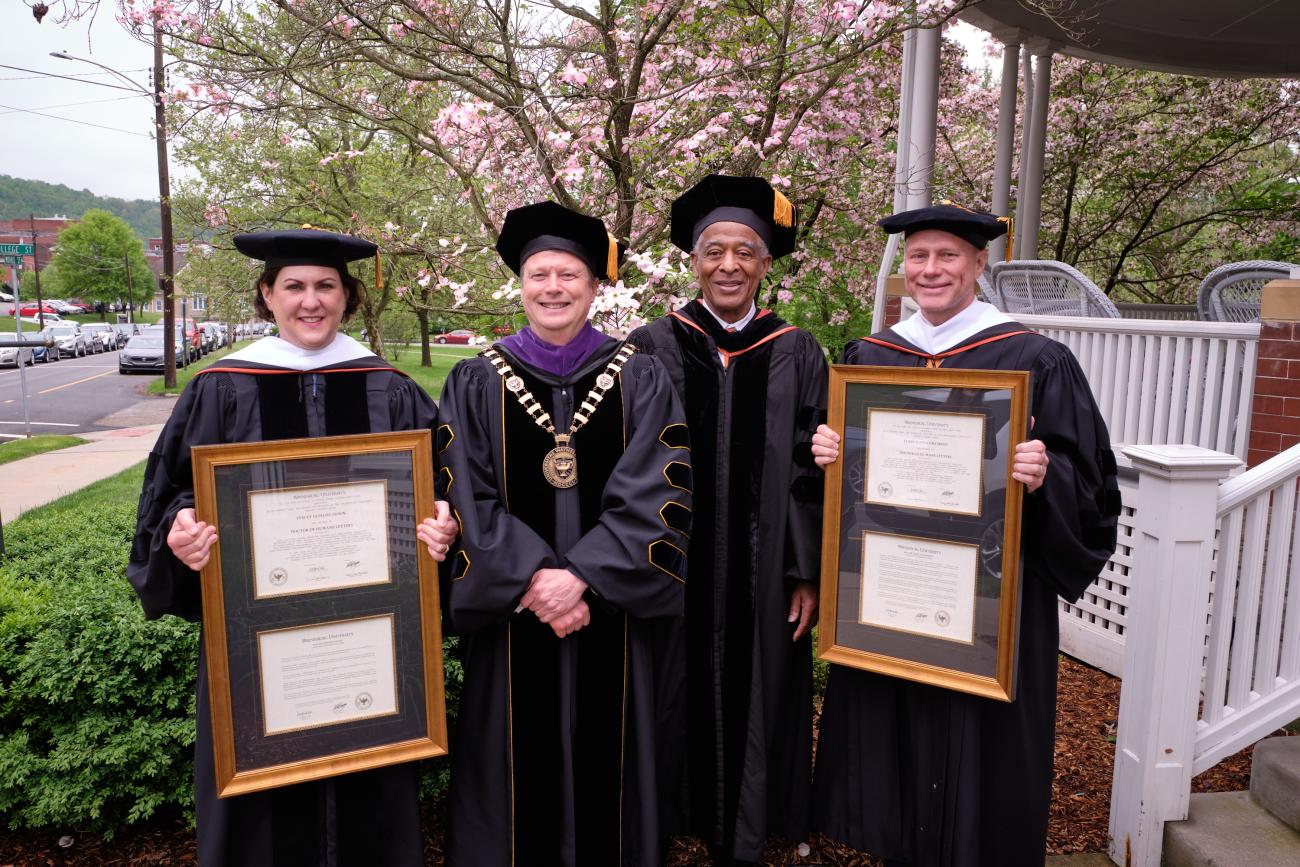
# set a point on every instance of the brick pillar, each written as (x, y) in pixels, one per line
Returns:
(1275, 413)
(895, 292)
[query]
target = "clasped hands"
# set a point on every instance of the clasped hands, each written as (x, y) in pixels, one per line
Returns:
(191, 540)
(555, 596)
(1029, 465)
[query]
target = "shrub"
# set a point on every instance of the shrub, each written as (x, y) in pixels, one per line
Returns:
(96, 705)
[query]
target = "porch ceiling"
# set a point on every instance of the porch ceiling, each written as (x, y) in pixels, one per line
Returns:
(1217, 38)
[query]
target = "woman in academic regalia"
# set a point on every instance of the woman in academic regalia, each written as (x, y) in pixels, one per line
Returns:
(310, 381)
(565, 458)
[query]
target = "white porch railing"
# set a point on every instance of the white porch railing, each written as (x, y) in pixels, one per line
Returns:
(1162, 381)
(1212, 655)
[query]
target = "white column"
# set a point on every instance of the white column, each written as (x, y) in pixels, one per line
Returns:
(921, 117)
(1026, 121)
(1006, 134)
(1164, 643)
(1027, 228)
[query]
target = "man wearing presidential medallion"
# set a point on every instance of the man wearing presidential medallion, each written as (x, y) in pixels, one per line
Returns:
(565, 458)
(754, 389)
(924, 776)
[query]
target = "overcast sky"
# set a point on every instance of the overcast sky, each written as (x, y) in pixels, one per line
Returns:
(117, 157)
(117, 161)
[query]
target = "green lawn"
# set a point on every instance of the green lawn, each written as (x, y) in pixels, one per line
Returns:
(444, 358)
(16, 450)
(185, 374)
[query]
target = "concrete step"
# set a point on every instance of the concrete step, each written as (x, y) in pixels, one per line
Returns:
(1228, 829)
(1275, 778)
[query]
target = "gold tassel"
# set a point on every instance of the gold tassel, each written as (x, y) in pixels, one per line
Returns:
(1011, 236)
(379, 272)
(308, 226)
(611, 261)
(782, 210)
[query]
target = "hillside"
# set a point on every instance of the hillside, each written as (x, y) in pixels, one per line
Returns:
(19, 197)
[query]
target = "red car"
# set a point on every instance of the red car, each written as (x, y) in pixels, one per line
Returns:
(460, 335)
(30, 310)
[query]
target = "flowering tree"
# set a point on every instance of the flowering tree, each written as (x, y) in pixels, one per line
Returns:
(1152, 179)
(613, 110)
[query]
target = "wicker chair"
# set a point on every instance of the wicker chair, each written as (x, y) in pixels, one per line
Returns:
(985, 290)
(1047, 287)
(1232, 292)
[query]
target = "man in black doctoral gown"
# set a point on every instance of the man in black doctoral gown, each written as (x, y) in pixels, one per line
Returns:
(311, 381)
(920, 775)
(566, 461)
(754, 389)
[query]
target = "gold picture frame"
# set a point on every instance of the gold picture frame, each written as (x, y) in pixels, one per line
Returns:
(911, 605)
(319, 683)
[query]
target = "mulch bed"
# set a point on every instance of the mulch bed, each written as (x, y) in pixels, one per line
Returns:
(1087, 714)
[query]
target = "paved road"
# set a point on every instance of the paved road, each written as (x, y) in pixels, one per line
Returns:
(77, 395)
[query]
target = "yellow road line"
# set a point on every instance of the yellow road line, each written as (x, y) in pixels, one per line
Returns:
(76, 382)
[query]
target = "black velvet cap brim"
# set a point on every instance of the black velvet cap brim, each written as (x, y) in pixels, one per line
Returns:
(976, 228)
(568, 230)
(726, 191)
(305, 247)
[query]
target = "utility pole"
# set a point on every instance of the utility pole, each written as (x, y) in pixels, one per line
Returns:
(36, 270)
(130, 290)
(165, 211)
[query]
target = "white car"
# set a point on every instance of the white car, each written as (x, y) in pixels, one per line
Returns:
(103, 335)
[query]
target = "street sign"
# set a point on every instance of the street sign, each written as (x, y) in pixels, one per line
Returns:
(15, 261)
(16, 249)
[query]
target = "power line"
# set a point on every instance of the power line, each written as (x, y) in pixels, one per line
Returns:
(79, 76)
(43, 74)
(71, 104)
(72, 120)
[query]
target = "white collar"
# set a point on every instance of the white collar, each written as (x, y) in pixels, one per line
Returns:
(739, 324)
(933, 339)
(278, 352)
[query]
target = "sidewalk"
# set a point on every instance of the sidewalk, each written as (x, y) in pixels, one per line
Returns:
(43, 478)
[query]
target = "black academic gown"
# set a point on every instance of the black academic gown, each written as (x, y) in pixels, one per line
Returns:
(361, 819)
(746, 723)
(553, 762)
(925, 776)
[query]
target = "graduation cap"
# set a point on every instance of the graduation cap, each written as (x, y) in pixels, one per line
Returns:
(550, 226)
(975, 227)
(753, 202)
(308, 246)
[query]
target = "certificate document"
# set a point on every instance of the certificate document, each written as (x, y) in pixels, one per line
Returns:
(328, 673)
(925, 460)
(919, 585)
(319, 537)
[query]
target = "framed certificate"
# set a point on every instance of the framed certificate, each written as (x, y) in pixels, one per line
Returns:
(921, 525)
(320, 607)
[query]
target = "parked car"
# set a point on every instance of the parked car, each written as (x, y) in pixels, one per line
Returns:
(125, 331)
(10, 356)
(185, 352)
(42, 354)
(215, 334)
(65, 308)
(460, 335)
(30, 309)
(144, 352)
(70, 339)
(104, 335)
(194, 336)
(6, 298)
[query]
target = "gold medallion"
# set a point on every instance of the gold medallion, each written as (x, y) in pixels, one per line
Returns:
(605, 382)
(560, 466)
(514, 384)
